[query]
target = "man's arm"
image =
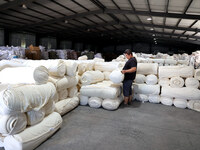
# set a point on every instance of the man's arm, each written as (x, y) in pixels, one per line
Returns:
(133, 69)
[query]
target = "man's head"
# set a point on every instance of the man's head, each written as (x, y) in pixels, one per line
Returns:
(128, 53)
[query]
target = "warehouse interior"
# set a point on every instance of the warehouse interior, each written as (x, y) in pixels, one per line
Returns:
(59, 56)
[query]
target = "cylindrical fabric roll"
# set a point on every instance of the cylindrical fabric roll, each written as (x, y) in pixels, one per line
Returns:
(71, 68)
(183, 62)
(33, 136)
(84, 100)
(140, 78)
(180, 103)
(197, 74)
(84, 57)
(151, 79)
(41, 75)
(159, 61)
(106, 75)
(170, 61)
(164, 82)
(146, 89)
(166, 101)
(34, 117)
(106, 66)
(82, 67)
(73, 91)
(147, 68)
(90, 77)
(176, 71)
(63, 94)
(192, 82)
(112, 104)
(49, 107)
(154, 98)
(95, 102)
(13, 123)
(141, 97)
(194, 105)
(176, 82)
(116, 76)
(9, 63)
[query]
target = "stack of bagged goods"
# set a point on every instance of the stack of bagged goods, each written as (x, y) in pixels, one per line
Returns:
(11, 52)
(196, 59)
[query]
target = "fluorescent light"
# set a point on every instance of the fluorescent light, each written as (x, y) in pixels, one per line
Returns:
(154, 38)
(66, 21)
(24, 6)
(149, 19)
(153, 35)
(88, 30)
(151, 29)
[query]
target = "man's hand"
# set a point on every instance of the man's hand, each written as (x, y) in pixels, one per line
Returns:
(123, 71)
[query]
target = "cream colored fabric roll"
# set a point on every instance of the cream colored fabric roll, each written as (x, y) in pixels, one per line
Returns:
(146, 89)
(180, 103)
(141, 97)
(107, 66)
(84, 57)
(192, 82)
(41, 75)
(170, 61)
(63, 94)
(197, 74)
(106, 75)
(71, 68)
(116, 76)
(95, 102)
(154, 98)
(176, 82)
(151, 79)
(166, 101)
(164, 82)
(49, 107)
(33, 136)
(140, 78)
(90, 77)
(34, 117)
(84, 100)
(112, 104)
(73, 91)
(147, 68)
(194, 105)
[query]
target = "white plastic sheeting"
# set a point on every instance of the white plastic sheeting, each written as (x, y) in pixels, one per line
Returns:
(146, 89)
(95, 102)
(33, 136)
(84, 100)
(147, 68)
(90, 77)
(192, 82)
(141, 97)
(194, 105)
(197, 74)
(154, 98)
(151, 79)
(140, 78)
(176, 82)
(176, 71)
(116, 76)
(112, 104)
(182, 93)
(166, 101)
(73, 91)
(180, 103)
(164, 82)
(71, 68)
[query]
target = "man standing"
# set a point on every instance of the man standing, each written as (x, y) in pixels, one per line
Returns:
(129, 72)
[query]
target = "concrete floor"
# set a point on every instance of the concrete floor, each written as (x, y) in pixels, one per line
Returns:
(142, 126)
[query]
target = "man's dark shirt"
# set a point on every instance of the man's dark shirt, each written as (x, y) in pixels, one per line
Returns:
(132, 62)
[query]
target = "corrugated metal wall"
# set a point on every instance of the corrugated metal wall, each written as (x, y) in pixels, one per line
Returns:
(48, 42)
(1, 37)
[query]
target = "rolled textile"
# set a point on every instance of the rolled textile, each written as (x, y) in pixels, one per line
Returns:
(140, 78)
(34, 117)
(180, 103)
(176, 71)
(112, 104)
(164, 82)
(98, 59)
(84, 57)
(182, 93)
(151, 79)
(141, 97)
(95, 102)
(82, 67)
(146, 89)
(106, 66)
(166, 101)
(13, 123)
(84, 100)
(41, 75)
(1, 140)
(33, 136)
(63, 94)
(176, 82)
(106, 75)
(73, 91)
(197, 74)
(25, 98)
(9, 63)
(90, 77)
(194, 105)
(170, 61)
(183, 62)
(71, 68)
(49, 107)
(116, 76)
(192, 82)
(147, 68)
(159, 61)
(154, 98)
(66, 105)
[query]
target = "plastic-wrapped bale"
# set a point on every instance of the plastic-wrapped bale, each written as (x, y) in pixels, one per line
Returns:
(112, 104)
(197, 74)
(140, 78)
(146, 89)
(101, 90)
(12, 123)
(95, 102)
(84, 100)
(90, 77)
(63, 94)
(166, 101)
(33, 136)
(170, 61)
(71, 68)
(194, 105)
(176, 82)
(73, 91)
(182, 93)
(116, 76)
(147, 68)
(34, 117)
(180, 103)
(66, 105)
(154, 98)
(164, 82)
(106, 66)
(24, 75)
(176, 71)
(192, 82)
(151, 79)
(141, 97)
(25, 98)
(106, 75)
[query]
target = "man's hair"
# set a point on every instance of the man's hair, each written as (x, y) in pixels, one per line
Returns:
(128, 51)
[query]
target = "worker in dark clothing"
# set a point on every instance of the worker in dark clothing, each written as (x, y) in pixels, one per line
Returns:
(129, 72)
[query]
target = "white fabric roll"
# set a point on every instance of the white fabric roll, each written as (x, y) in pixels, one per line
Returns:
(147, 68)
(34, 117)
(73, 91)
(13, 123)
(170, 61)
(116, 76)
(95, 102)
(166, 101)
(41, 75)
(9, 63)
(84, 57)
(141, 97)
(183, 62)
(176, 82)
(106, 75)
(49, 107)
(63, 94)
(66, 105)
(151, 79)
(146, 89)
(176, 71)
(33, 136)
(112, 104)
(82, 67)
(71, 68)
(164, 82)
(192, 82)
(106, 66)
(197, 74)
(27, 97)
(84, 100)
(98, 59)
(1, 140)
(180, 103)
(154, 98)
(182, 93)
(194, 105)
(90, 77)
(159, 61)
(140, 78)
